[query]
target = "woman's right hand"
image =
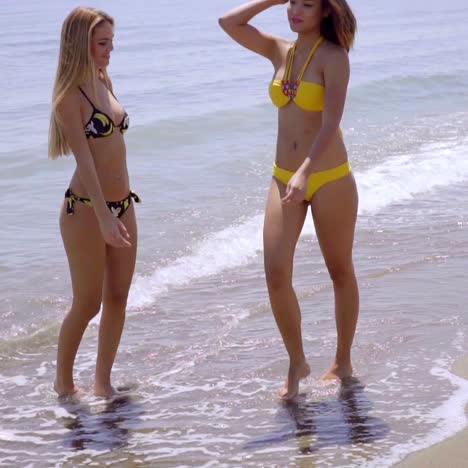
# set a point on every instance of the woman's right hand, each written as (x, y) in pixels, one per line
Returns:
(114, 232)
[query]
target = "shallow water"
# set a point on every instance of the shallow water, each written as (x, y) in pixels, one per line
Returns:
(201, 354)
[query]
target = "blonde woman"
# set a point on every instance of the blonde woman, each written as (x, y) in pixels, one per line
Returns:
(311, 168)
(97, 220)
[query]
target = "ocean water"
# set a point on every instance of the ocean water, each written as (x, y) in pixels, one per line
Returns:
(201, 354)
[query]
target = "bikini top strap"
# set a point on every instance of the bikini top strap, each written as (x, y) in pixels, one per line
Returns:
(87, 98)
(115, 97)
(289, 63)
(309, 58)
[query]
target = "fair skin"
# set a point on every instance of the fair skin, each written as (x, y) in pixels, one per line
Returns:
(307, 142)
(101, 249)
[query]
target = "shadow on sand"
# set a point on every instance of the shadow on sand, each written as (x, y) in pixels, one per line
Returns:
(342, 420)
(102, 429)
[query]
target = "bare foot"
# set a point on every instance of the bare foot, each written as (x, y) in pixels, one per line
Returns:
(104, 390)
(65, 391)
(338, 372)
(295, 374)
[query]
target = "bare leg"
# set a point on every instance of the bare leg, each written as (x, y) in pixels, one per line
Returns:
(85, 251)
(120, 265)
(282, 227)
(334, 209)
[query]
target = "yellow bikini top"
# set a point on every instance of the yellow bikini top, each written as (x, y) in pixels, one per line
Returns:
(306, 94)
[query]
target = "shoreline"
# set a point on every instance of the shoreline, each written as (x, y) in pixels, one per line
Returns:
(452, 452)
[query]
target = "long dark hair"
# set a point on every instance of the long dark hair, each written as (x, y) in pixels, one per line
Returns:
(339, 26)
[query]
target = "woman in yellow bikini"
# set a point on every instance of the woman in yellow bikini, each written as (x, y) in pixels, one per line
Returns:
(97, 220)
(311, 168)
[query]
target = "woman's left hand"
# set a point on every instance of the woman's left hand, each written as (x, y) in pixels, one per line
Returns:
(296, 189)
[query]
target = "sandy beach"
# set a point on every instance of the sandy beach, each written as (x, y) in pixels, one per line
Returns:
(452, 452)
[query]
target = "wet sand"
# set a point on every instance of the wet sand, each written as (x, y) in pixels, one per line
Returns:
(452, 452)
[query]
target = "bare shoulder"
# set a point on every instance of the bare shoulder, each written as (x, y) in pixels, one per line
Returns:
(70, 102)
(336, 70)
(335, 55)
(70, 111)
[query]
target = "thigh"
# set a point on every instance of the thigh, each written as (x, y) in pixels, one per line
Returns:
(282, 227)
(334, 210)
(85, 249)
(120, 262)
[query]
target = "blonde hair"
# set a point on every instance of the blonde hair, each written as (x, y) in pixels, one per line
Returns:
(75, 67)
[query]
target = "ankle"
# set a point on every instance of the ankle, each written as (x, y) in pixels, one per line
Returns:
(102, 383)
(64, 383)
(65, 390)
(342, 363)
(296, 363)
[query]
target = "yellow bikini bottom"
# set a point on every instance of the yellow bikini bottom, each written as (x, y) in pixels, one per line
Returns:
(316, 179)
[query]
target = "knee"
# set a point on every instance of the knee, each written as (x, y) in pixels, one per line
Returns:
(86, 308)
(116, 299)
(341, 275)
(277, 277)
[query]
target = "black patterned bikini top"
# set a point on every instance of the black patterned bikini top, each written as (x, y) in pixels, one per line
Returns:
(100, 124)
